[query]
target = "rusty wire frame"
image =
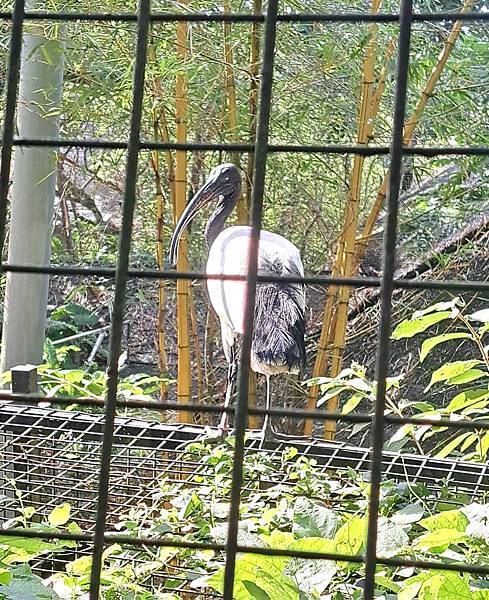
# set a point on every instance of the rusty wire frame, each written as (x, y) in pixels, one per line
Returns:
(261, 148)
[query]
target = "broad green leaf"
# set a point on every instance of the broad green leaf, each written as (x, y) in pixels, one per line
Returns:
(480, 594)
(411, 327)
(312, 519)
(387, 583)
(312, 576)
(431, 343)
(450, 370)
(263, 574)
(24, 585)
(445, 586)
(350, 538)
(391, 538)
(60, 515)
(411, 513)
(439, 540)
(447, 519)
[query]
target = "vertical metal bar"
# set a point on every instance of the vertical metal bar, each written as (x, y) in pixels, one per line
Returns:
(120, 290)
(259, 168)
(386, 289)
(9, 120)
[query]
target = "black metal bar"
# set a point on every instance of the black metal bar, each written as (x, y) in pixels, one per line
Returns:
(386, 290)
(353, 17)
(296, 413)
(110, 538)
(259, 172)
(129, 204)
(341, 149)
(9, 114)
(356, 282)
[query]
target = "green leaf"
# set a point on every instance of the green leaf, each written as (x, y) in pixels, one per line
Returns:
(445, 586)
(447, 449)
(60, 515)
(312, 576)
(411, 327)
(391, 538)
(351, 404)
(469, 399)
(451, 370)
(312, 519)
(439, 540)
(350, 538)
(262, 573)
(468, 376)
(411, 513)
(482, 316)
(447, 519)
(431, 343)
(24, 585)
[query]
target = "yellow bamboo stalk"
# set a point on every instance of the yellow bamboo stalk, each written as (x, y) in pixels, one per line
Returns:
(346, 245)
(183, 342)
(197, 351)
(410, 127)
(160, 253)
(232, 107)
(253, 95)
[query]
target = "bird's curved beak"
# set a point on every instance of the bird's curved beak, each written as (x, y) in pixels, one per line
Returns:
(206, 193)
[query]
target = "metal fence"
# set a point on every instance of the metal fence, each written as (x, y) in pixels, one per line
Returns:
(100, 538)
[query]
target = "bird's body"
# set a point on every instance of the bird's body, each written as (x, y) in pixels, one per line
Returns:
(278, 334)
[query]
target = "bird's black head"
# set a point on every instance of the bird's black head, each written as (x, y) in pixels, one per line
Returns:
(223, 185)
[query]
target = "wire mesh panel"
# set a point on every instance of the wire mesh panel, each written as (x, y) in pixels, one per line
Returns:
(104, 465)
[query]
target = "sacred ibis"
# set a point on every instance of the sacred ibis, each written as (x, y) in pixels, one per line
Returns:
(278, 336)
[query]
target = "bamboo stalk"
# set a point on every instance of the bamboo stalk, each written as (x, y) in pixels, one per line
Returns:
(232, 107)
(183, 342)
(410, 128)
(253, 95)
(197, 351)
(160, 252)
(333, 329)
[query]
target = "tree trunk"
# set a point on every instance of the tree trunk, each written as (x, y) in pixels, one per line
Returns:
(33, 193)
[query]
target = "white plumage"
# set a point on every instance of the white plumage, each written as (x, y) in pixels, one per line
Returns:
(278, 336)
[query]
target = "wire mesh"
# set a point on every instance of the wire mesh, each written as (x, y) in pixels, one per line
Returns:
(102, 443)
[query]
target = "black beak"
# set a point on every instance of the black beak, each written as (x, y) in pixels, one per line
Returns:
(201, 199)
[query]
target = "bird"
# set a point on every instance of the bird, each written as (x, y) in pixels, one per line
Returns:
(278, 344)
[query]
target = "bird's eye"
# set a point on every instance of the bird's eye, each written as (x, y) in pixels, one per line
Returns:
(226, 178)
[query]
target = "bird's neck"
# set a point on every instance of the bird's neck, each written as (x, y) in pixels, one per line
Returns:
(217, 220)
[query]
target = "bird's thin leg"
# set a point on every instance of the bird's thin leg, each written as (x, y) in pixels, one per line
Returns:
(266, 422)
(223, 424)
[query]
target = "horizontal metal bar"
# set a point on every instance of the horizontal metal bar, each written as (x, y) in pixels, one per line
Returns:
(341, 149)
(110, 538)
(351, 17)
(296, 413)
(355, 282)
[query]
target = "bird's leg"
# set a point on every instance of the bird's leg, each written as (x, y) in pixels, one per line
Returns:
(266, 422)
(231, 380)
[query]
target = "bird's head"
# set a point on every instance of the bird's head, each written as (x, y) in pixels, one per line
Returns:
(223, 185)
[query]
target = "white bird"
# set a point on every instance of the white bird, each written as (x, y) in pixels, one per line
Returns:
(278, 335)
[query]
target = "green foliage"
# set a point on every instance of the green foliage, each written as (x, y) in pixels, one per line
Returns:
(286, 515)
(467, 377)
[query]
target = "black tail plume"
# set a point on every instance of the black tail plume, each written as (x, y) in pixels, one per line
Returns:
(278, 336)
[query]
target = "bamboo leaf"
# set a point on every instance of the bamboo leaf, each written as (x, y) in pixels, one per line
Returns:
(431, 343)
(411, 327)
(451, 370)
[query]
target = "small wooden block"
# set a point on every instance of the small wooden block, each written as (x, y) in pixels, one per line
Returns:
(24, 379)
